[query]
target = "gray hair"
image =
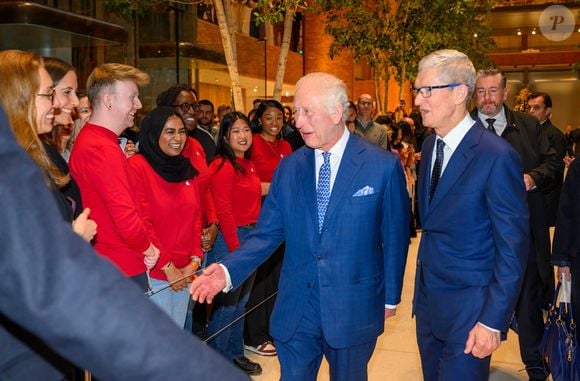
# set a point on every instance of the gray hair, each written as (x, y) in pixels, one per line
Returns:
(334, 91)
(492, 72)
(453, 67)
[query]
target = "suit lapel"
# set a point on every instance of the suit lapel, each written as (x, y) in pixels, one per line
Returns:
(456, 166)
(349, 165)
(307, 176)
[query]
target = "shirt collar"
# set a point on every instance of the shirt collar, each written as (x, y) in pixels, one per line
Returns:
(456, 135)
(337, 149)
(365, 125)
(500, 118)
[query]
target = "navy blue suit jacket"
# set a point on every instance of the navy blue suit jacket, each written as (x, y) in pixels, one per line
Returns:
(356, 263)
(475, 237)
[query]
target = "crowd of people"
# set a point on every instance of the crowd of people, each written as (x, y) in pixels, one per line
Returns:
(188, 187)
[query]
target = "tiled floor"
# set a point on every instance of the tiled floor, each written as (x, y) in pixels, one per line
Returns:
(396, 356)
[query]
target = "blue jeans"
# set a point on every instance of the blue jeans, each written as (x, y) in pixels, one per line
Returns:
(173, 303)
(230, 306)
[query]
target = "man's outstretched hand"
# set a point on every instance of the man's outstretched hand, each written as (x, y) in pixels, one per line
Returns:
(206, 286)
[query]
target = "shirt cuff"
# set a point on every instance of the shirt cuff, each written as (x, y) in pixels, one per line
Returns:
(390, 306)
(228, 286)
(485, 326)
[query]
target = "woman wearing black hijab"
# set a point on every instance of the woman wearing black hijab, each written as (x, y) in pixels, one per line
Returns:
(166, 193)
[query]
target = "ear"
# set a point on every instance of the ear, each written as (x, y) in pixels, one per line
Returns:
(461, 93)
(107, 99)
(506, 93)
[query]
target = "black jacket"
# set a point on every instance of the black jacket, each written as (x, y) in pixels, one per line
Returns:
(559, 142)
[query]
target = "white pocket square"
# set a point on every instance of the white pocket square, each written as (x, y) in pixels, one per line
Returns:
(366, 191)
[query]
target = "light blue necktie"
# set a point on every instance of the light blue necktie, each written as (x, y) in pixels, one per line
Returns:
(323, 191)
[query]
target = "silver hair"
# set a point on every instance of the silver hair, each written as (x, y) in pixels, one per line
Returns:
(333, 89)
(492, 72)
(452, 66)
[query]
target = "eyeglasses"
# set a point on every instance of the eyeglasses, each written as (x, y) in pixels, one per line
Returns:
(425, 91)
(49, 94)
(186, 106)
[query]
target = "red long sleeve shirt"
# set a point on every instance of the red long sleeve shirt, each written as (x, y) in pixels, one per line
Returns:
(266, 156)
(171, 210)
(194, 152)
(100, 169)
(236, 196)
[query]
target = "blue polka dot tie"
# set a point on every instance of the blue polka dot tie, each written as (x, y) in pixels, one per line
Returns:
(323, 190)
(436, 174)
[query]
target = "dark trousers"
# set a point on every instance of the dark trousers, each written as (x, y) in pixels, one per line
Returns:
(257, 325)
(530, 321)
(445, 361)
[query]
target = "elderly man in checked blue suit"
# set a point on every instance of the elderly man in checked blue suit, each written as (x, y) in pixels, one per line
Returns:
(341, 206)
(475, 237)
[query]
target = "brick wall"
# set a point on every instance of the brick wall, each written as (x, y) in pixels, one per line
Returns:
(316, 58)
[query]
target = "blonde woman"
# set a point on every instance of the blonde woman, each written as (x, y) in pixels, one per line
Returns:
(29, 97)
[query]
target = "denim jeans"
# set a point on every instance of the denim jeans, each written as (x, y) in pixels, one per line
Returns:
(230, 306)
(173, 303)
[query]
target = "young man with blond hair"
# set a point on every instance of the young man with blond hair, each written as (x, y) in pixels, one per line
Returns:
(100, 168)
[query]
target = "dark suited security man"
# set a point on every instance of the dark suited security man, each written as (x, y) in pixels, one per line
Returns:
(57, 298)
(474, 243)
(541, 107)
(541, 167)
(346, 241)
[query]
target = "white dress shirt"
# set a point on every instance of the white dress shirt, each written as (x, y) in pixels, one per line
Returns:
(336, 154)
(452, 141)
(500, 123)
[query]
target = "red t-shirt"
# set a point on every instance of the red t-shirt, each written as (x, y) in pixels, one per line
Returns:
(266, 156)
(100, 169)
(193, 150)
(236, 195)
(172, 212)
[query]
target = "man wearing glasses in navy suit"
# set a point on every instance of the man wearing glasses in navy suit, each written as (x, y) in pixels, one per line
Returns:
(475, 237)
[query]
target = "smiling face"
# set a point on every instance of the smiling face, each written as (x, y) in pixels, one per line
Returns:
(272, 121)
(65, 92)
(44, 104)
(189, 116)
(125, 103)
(365, 106)
(84, 110)
(173, 136)
(240, 137)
